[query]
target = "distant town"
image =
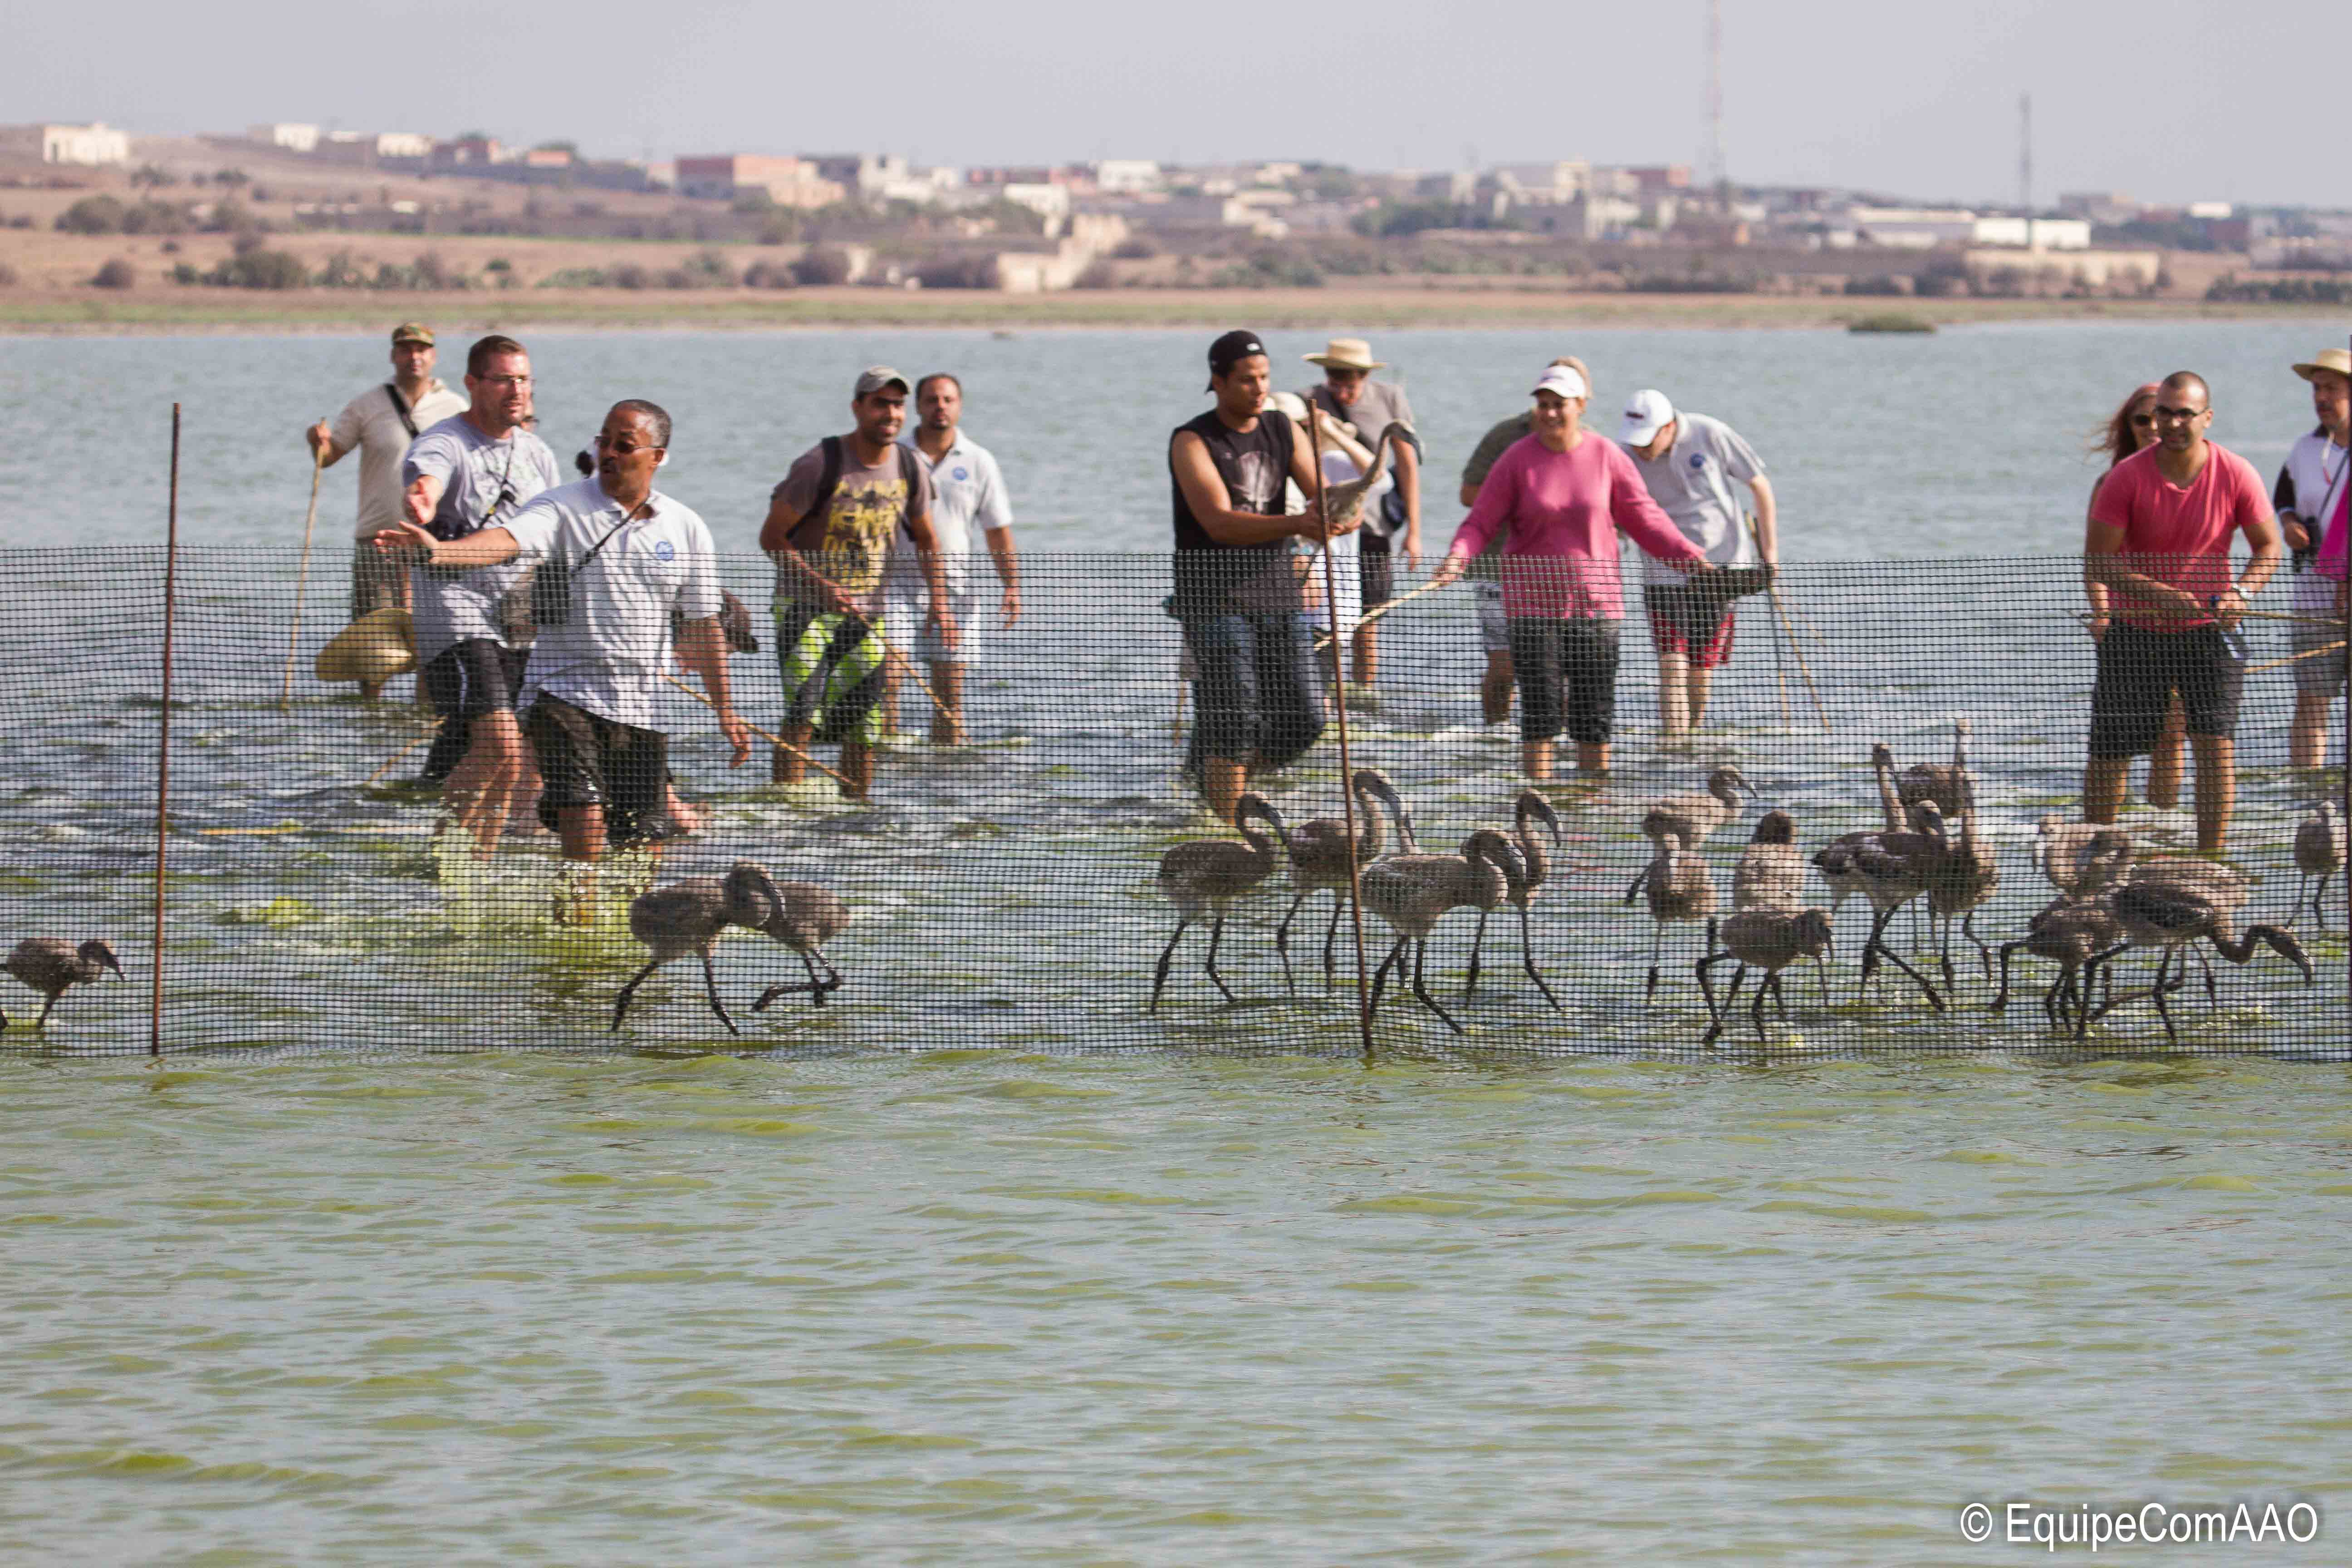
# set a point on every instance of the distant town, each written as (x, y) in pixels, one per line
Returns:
(290, 206)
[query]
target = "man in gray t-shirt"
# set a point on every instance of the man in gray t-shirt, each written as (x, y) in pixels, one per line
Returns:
(1691, 464)
(471, 472)
(1393, 518)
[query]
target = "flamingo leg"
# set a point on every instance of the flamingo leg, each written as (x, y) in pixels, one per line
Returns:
(1477, 941)
(1738, 978)
(1216, 936)
(620, 1005)
(1331, 933)
(1159, 975)
(710, 989)
(1706, 984)
(1984, 954)
(1896, 959)
(1281, 941)
(1657, 940)
(1756, 1008)
(1381, 976)
(1420, 956)
(1528, 959)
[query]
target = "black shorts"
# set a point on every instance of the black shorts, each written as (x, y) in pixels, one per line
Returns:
(1567, 671)
(476, 676)
(586, 760)
(2139, 672)
(1376, 563)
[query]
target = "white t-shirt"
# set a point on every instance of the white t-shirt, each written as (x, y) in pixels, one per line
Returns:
(1692, 484)
(967, 499)
(1347, 551)
(369, 424)
(609, 652)
(2314, 465)
(483, 483)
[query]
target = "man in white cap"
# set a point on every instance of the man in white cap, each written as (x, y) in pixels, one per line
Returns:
(2311, 486)
(1561, 501)
(1393, 512)
(379, 424)
(1689, 463)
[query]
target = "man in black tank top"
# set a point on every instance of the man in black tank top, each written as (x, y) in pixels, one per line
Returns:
(1236, 586)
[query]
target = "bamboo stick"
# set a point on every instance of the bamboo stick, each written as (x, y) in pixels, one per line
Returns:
(164, 744)
(302, 580)
(1346, 764)
(2297, 659)
(780, 745)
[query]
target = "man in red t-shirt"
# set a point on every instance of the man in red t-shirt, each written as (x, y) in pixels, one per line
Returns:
(2159, 540)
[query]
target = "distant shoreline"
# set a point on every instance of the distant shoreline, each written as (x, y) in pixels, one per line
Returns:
(199, 311)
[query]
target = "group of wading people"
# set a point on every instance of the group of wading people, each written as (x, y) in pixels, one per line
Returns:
(546, 615)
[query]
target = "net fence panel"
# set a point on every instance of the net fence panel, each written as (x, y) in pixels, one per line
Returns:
(1006, 893)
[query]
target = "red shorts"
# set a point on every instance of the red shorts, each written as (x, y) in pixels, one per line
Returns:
(1696, 626)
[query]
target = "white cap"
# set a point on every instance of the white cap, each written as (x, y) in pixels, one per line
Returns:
(1563, 380)
(1647, 412)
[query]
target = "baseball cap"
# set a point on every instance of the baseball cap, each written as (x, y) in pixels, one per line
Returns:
(875, 377)
(1647, 412)
(413, 332)
(1232, 349)
(1563, 380)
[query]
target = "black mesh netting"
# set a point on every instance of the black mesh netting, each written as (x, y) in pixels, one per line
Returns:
(1004, 893)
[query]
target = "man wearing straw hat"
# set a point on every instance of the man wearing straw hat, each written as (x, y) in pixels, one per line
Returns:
(380, 423)
(1393, 512)
(2310, 487)
(2159, 538)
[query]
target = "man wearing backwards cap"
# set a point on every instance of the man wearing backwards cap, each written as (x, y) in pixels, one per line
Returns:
(829, 527)
(1558, 499)
(1392, 508)
(381, 422)
(2311, 489)
(1236, 592)
(1689, 462)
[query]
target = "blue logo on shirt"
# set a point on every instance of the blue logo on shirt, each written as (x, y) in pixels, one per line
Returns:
(1698, 459)
(961, 473)
(665, 550)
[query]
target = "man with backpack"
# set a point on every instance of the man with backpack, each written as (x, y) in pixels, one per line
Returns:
(829, 527)
(379, 424)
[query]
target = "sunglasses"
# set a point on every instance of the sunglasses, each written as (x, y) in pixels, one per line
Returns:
(2164, 412)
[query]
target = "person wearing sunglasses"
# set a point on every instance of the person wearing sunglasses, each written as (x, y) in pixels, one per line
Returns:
(2158, 541)
(2132, 428)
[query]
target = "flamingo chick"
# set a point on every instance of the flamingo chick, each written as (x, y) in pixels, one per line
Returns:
(2318, 857)
(1679, 889)
(1412, 893)
(688, 917)
(1765, 939)
(1529, 808)
(52, 965)
(1208, 876)
(1319, 859)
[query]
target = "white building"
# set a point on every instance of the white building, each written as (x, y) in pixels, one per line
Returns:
(93, 143)
(403, 144)
(2033, 234)
(1051, 203)
(294, 138)
(1127, 175)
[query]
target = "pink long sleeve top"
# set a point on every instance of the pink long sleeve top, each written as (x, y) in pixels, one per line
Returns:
(1560, 513)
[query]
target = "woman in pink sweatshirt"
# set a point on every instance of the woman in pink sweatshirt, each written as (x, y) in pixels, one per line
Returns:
(1559, 498)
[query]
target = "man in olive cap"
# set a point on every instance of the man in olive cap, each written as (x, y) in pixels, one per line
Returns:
(2311, 486)
(829, 528)
(380, 423)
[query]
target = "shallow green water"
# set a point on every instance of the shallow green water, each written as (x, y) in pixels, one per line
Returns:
(1154, 1307)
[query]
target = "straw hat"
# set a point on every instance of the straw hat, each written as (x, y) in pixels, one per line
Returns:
(377, 646)
(2337, 360)
(1346, 354)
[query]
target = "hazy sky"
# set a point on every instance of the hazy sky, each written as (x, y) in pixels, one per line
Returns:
(2166, 100)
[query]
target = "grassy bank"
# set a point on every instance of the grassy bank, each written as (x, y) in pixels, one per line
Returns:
(209, 309)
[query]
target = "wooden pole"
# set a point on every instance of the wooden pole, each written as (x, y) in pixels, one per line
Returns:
(163, 745)
(1347, 761)
(302, 580)
(1773, 588)
(2336, 646)
(1779, 670)
(780, 745)
(395, 756)
(1377, 611)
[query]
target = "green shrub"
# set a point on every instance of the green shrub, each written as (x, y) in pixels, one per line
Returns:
(261, 270)
(115, 274)
(958, 272)
(768, 275)
(575, 278)
(821, 266)
(92, 215)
